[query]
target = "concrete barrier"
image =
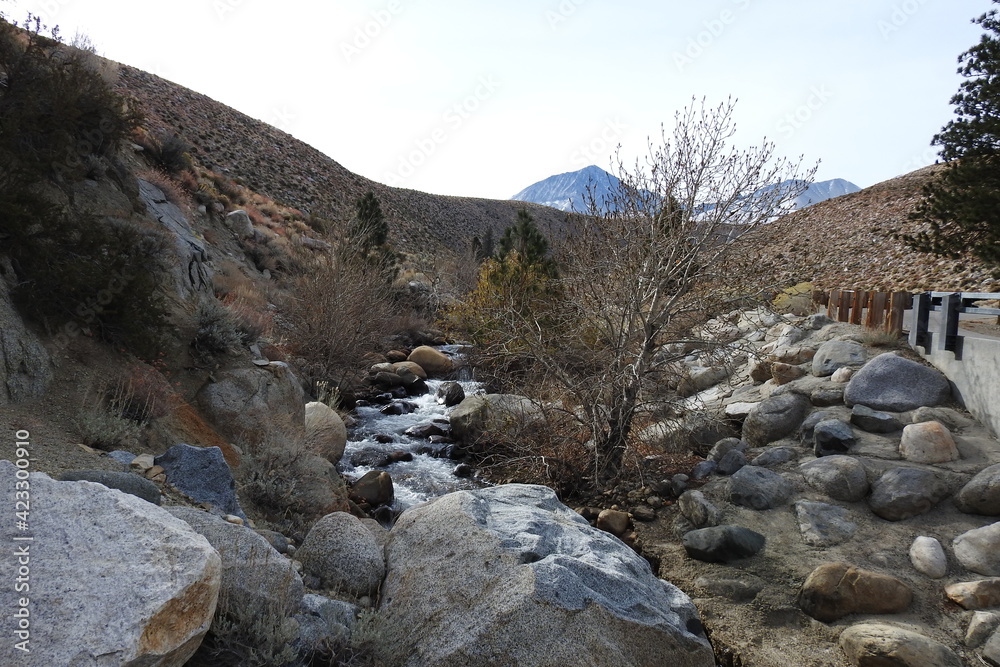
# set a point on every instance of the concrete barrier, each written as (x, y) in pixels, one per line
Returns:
(975, 376)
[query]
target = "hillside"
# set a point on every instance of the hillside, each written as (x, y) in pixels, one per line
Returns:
(848, 242)
(290, 171)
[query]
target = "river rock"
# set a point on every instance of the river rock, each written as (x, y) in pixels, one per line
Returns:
(991, 651)
(928, 442)
(374, 488)
(325, 432)
(835, 354)
(731, 462)
(824, 525)
(126, 482)
(724, 446)
(928, 557)
(794, 355)
(615, 522)
(774, 456)
(982, 494)
(722, 544)
(902, 493)
(978, 550)
(817, 321)
(879, 644)
(823, 397)
(953, 419)
(113, 579)
(840, 477)
(202, 474)
(450, 394)
(842, 375)
(832, 436)
(414, 368)
(528, 593)
(890, 382)
(835, 590)
(477, 414)
(699, 510)
(775, 418)
(437, 364)
(759, 488)
(255, 576)
(785, 373)
(255, 405)
(982, 625)
(973, 595)
(874, 421)
(343, 554)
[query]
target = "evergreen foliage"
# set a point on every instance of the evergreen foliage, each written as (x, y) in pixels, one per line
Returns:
(368, 230)
(962, 206)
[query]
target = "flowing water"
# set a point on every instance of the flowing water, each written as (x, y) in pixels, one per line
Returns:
(376, 436)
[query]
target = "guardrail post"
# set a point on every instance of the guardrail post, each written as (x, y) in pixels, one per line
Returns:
(919, 335)
(951, 305)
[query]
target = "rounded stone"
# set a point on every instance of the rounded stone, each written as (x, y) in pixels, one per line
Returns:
(902, 493)
(840, 477)
(343, 554)
(982, 494)
(835, 590)
(721, 544)
(928, 442)
(928, 557)
(890, 382)
(836, 354)
(880, 644)
(978, 550)
(759, 488)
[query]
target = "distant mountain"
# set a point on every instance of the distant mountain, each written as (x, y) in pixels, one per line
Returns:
(567, 192)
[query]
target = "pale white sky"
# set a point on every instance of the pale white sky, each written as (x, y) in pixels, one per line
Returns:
(485, 98)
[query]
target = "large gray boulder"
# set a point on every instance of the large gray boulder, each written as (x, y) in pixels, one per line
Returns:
(759, 488)
(343, 554)
(255, 577)
(835, 354)
(775, 418)
(25, 366)
(113, 579)
(883, 644)
(255, 405)
(192, 271)
(890, 382)
(978, 550)
(902, 493)
(476, 415)
(326, 433)
(537, 584)
(982, 494)
(840, 477)
(203, 475)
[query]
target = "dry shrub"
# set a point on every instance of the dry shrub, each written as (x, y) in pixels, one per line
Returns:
(250, 310)
(175, 192)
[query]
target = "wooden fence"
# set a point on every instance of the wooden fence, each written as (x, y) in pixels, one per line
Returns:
(874, 310)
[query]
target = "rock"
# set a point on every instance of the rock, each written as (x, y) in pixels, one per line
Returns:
(785, 373)
(759, 488)
(255, 576)
(835, 590)
(724, 446)
(889, 382)
(774, 456)
(122, 457)
(701, 378)
(644, 513)
(113, 579)
(735, 589)
(840, 477)
(278, 541)
(374, 488)
(982, 494)
(953, 419)
(25, 365)
(416, 369)
(991, 651)
(842, 375)
(794, 355)
(615, 522)
(880, 644)
(450, 394)
(731, 462)
(928, 557)
(239, 221)
(739, 411)
(478, 414)
(760, 370)
(437, 364)
(325, 432)
(126, 482)
(424, 431)
(982, 625)
(722, 544)
(378, 531)
(835, 354)
(978, 550)
(255, 405)
(902, 493)
(324, 623)
(823, 397)
(832, 436)
(343, 554)
(699, 510)
(191, 267)
(529, 595)
(202, 474)
(817, 321)
(972, 595)
(928, 442)
(824, 525)
(873, 421)
(703, 469)
(775, 418)
(678, 483)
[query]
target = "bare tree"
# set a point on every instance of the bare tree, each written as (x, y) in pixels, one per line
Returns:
(659, 256)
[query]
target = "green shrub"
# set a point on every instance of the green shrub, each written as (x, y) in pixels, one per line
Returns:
(220, 332)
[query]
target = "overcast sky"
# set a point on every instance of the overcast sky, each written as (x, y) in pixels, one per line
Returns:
(473, 98)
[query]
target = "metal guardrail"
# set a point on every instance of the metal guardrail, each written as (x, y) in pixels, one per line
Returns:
(951, 305)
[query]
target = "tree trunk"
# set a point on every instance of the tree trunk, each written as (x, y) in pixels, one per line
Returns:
(611, 447)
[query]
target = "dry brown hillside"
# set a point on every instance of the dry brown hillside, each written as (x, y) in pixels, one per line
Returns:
(289, 171)
(847, 242)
